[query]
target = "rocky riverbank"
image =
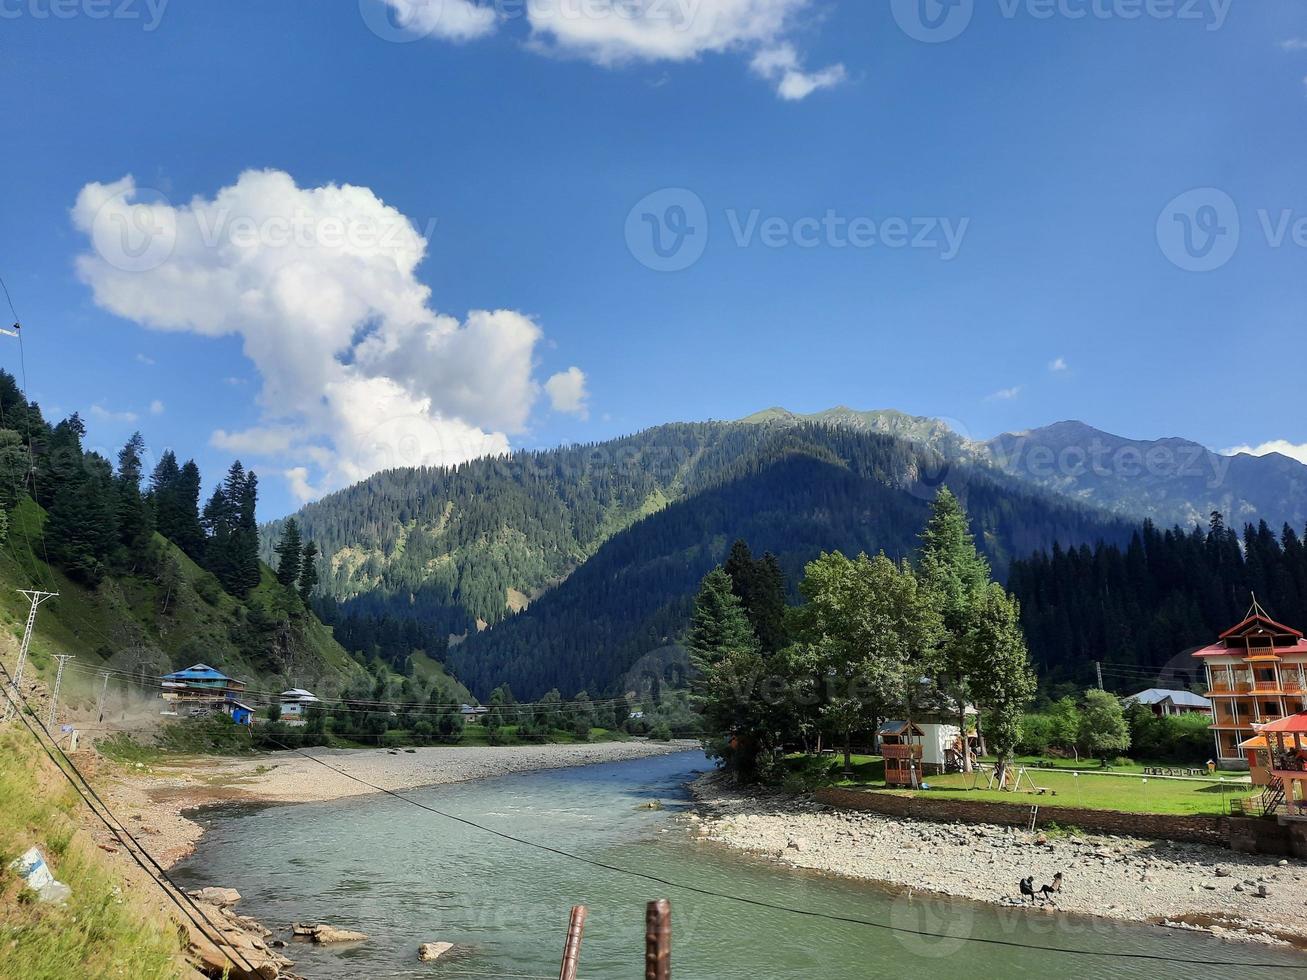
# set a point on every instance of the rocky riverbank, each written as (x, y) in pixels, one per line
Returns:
(1236, 896)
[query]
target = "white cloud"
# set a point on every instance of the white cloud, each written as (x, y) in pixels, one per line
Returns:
(567, 392)
(156, 407)
(616, 32)
(450, 20)
(98, 411)
(1294, 450)
(1294, 44)
(1004, 394)
(781, 65)
(1058, 364)
(144, 359)
(359, 373)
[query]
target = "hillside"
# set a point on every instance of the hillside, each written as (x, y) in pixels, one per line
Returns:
(168, 613)
(800, 490)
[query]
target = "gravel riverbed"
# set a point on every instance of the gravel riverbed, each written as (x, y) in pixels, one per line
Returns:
(1237, 896)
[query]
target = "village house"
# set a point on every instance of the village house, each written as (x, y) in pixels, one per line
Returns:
(295, 705)
(203, 690)
(1165, 703)
(1256, 675)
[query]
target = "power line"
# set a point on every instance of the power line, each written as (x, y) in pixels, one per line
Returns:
(119, 831)
(759, 903)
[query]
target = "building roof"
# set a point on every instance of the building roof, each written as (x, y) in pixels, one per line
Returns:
(1257, 617)
(1184, 699)
(897, 728)
(298, 694)
(1289, 723)
(197, 672)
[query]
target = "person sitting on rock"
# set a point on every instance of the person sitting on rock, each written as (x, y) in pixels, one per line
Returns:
(1048, 891)
(1028, 888)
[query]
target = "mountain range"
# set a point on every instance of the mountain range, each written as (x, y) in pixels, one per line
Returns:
(567, 567)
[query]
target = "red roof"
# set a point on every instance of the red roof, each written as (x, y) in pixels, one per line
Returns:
(1221, 650)
(1269, 625)
(1290, 723)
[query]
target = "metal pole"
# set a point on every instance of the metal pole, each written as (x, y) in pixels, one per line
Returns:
(35, 598)
(1098, 667)
(658, 940)
(99, 704)
(572, 948)
(63, 659)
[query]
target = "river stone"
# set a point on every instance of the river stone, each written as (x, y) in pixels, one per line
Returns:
(221, 897)
(323, 935)
(433, 951)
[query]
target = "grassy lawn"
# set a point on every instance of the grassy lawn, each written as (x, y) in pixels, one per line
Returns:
(1091, 789)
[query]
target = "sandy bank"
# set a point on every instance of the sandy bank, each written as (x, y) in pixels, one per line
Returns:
(1118, 877)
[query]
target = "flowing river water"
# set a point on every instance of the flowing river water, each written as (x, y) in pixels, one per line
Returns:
(406, 876)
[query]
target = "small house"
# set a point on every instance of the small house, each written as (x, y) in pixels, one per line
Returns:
(240, 713)
(295, 704)
(199, 690)
(1165, 703)
(472, 712)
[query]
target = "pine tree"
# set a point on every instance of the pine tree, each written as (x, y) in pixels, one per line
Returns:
(309, 577)
(133, 513)
(956, 576)
(289, 554)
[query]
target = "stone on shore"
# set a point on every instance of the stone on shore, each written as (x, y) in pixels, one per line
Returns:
(221, 897)
(433, 951)
(325, 935)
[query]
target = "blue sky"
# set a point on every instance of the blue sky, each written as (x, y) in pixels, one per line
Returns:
(1041, 162)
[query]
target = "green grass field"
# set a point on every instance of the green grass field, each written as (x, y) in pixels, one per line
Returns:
(1120, 788)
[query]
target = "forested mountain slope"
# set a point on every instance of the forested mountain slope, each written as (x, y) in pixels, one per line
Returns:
(165, 614)
(798, 491)
(1169, 481)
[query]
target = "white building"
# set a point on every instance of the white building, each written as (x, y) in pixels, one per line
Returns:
(295, 704)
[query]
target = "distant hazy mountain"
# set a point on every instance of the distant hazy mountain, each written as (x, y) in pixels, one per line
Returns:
(1171, 480)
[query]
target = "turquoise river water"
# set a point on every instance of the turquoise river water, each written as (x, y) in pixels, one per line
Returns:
(406, 876)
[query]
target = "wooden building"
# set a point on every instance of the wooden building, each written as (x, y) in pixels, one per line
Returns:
(1256, 675)
(901, 747)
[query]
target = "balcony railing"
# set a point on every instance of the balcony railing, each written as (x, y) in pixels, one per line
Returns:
(900, 751)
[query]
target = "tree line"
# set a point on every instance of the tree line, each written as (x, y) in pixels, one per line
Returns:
(871, 636)
(1141, 607)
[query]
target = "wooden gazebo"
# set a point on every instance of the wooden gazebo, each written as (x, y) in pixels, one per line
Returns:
(1286, 741)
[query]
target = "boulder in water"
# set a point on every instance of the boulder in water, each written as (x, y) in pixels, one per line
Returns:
(433, 951)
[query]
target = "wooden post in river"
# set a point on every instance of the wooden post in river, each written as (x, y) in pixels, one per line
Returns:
(658, 940)
(572, 948)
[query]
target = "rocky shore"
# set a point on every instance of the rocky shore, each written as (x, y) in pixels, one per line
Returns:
(1235, 896)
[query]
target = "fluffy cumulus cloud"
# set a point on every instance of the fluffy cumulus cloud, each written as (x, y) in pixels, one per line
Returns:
(1294, 450)
(358, 371)
(615, 32)
(567, 392)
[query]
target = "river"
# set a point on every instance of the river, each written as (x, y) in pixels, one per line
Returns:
(406, 876)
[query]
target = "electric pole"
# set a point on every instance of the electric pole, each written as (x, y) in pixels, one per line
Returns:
(1098, 668)
(99, 704)
(35, 598)
(63, 659)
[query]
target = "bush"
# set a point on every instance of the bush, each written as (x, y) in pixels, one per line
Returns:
(1036, 734)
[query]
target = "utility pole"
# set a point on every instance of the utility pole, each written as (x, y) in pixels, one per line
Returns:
(35, 598)
(63, 659)
(1098, 668)
(99, 704)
